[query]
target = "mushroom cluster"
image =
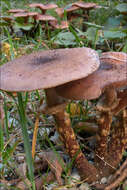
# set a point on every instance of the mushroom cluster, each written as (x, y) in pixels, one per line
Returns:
(78, 74)
(44, 18)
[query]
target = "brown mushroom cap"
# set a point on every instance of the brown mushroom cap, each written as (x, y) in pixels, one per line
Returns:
(50, 6)
(47, 69)
(83, 5)
(21, 14)
(30, 14)
(46, 18)
(112, 71)
(71, 8)
(60, 11)
(17, 11)
(114, 57)
(42, 6)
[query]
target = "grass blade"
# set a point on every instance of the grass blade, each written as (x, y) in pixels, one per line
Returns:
(26, 139)
(6, 118)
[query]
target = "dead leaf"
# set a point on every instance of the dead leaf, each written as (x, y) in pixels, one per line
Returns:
(55, 163)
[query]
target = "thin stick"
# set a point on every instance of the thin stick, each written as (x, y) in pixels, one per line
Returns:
(35, 135)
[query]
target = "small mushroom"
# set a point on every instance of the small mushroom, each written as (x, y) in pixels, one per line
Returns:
(86, 7)
(46, 19)
(69, 10)
(46, 70)
(26, 16)
(43, 7)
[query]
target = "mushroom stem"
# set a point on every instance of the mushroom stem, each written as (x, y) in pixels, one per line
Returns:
(103, 133)
(111, 151)
(109, 100)
(85, 19)
(118, 140)
(122, 103)
(85, 169)
(111, 95)
(52, 98)
(105, 104)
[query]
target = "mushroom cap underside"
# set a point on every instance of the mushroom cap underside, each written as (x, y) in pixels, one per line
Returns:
(47, 69)
(112, 72)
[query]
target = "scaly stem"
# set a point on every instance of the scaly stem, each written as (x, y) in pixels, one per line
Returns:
(86, 170)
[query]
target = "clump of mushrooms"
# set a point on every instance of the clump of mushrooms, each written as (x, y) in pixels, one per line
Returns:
(74, 74)
(70, 11)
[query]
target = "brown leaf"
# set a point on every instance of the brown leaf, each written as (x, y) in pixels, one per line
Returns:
(55, 163)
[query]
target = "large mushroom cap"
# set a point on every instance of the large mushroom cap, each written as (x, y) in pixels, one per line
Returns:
(46, 69)
(112, 71)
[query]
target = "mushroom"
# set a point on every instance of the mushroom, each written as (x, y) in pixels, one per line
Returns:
(46, 18)
(43, 7)
(69, 10)
(73, 7)
(111, 75)
(86, 7)
(46, 70)
(27, 15)
(52, 62)
(113, 72)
